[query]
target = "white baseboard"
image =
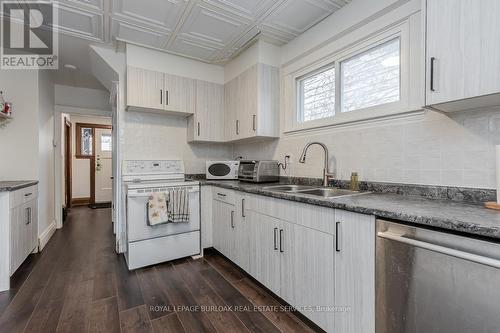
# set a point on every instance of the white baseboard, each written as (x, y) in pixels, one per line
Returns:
(45, 236)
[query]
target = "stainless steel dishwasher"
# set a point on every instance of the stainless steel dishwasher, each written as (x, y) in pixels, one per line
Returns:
(429, 281)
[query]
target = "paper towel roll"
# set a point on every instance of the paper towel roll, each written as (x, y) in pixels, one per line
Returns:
(498, 174)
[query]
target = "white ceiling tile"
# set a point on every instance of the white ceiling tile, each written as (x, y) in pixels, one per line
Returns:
(139, 35)
(212, 26)
(251, 9)
(160, 13)
(193, 49)
(80, 23)
(296, 16)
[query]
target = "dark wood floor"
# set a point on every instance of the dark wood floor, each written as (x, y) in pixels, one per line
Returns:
(79, 284)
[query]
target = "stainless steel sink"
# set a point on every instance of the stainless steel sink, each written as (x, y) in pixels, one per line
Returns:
(329, 192)
(288, 188)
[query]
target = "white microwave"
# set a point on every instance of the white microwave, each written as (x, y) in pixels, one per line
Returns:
(222, 169)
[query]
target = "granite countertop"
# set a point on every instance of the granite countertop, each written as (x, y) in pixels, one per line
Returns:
(462, 217)
(8, 186)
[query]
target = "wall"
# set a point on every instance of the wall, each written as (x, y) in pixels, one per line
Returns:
(19, 136)
(81, 167)
(152, 136)
(429, 148)
(83, 98)
(46, 176)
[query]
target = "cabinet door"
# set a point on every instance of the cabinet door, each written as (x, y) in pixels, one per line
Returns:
(242, 230)
(180, 94)
(223, 215)
(355, 272)
(264, 249)
(231, 109)
(16, 237)
(33, 226)
(307, 272)
(462, 49)
(247, 110)
(144, 88)
(209, 117)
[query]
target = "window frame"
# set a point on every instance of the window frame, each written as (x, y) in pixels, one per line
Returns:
(402, 32)
(78, 138)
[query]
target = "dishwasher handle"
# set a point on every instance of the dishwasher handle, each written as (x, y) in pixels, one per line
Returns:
(441, 249)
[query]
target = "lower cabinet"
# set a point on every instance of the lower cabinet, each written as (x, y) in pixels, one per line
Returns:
(319, 260)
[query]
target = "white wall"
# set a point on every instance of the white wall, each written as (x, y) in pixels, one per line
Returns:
(83, 98)
(19, 137)
(429, 148)
(81, 167)
(46, 176)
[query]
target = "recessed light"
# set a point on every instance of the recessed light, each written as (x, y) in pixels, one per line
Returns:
(69, 66)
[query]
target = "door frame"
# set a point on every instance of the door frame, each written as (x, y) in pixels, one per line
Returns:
(68, 162)
(92, 157)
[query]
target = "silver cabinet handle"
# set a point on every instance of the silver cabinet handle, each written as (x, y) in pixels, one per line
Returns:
(237, 127)
(27, 194)
(275, 240)
(433, 60)
(281, 241)
(161, 97)
(338, 247)
(166, 97)
(254, 121)
(243, 208)
(442, 249)
(221, 194)
(198, 128)
(28, 215)
(232, 219)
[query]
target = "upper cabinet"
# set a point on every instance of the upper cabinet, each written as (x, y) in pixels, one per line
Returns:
(207, 123)
(463, 54)
(252, 104)
(158, 92)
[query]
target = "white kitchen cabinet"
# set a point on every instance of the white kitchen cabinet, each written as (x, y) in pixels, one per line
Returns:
(252, 104)
(223, 217)
(307, 272)
(355, 272)
(463, 54)
(208, 123)
(241, 232)
(157, 92)
(265, 258)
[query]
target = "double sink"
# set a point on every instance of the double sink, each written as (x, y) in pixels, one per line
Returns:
(322, 192)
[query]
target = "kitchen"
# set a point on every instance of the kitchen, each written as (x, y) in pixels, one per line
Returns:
(276, 166)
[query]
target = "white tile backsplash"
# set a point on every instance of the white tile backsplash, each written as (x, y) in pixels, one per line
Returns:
(433, 149)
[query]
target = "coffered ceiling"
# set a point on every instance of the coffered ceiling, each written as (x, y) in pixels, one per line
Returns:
(209, 30)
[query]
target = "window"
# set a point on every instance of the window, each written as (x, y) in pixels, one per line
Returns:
(106, 142)
(371, 78)
(84, 141)
(317, 95)
(361, 80)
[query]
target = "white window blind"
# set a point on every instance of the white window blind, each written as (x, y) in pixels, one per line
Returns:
(371, 78)
(317, 95)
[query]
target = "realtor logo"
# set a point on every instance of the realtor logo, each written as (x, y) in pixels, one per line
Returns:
(28, 38)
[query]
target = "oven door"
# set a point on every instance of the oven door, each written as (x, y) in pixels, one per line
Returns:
(137, 216)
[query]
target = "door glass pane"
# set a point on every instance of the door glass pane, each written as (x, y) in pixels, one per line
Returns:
(371, 78)
(106, 142)
(86, 141)
(317, 94)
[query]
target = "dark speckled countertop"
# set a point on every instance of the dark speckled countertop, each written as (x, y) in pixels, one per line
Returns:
(461, 217)
(8, 186)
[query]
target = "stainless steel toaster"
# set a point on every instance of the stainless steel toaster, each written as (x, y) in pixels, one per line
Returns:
(258, 171)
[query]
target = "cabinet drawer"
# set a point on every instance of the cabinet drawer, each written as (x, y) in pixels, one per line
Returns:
(224, 195)
(23, 196)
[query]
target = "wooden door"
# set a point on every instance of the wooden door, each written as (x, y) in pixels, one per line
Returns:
(463, 49)
(103, 165)
(307, 272)
(145, 88)
(264, 249)
(355, 271)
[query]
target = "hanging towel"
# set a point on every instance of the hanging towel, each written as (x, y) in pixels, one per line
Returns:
(157, 209)
(178, 206)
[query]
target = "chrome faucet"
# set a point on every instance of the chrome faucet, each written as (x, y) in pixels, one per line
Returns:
(327, 175)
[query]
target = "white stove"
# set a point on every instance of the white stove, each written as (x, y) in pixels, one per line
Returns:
(149, 245)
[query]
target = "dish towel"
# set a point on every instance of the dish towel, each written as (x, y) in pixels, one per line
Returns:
(178, 206)
(157, 208)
